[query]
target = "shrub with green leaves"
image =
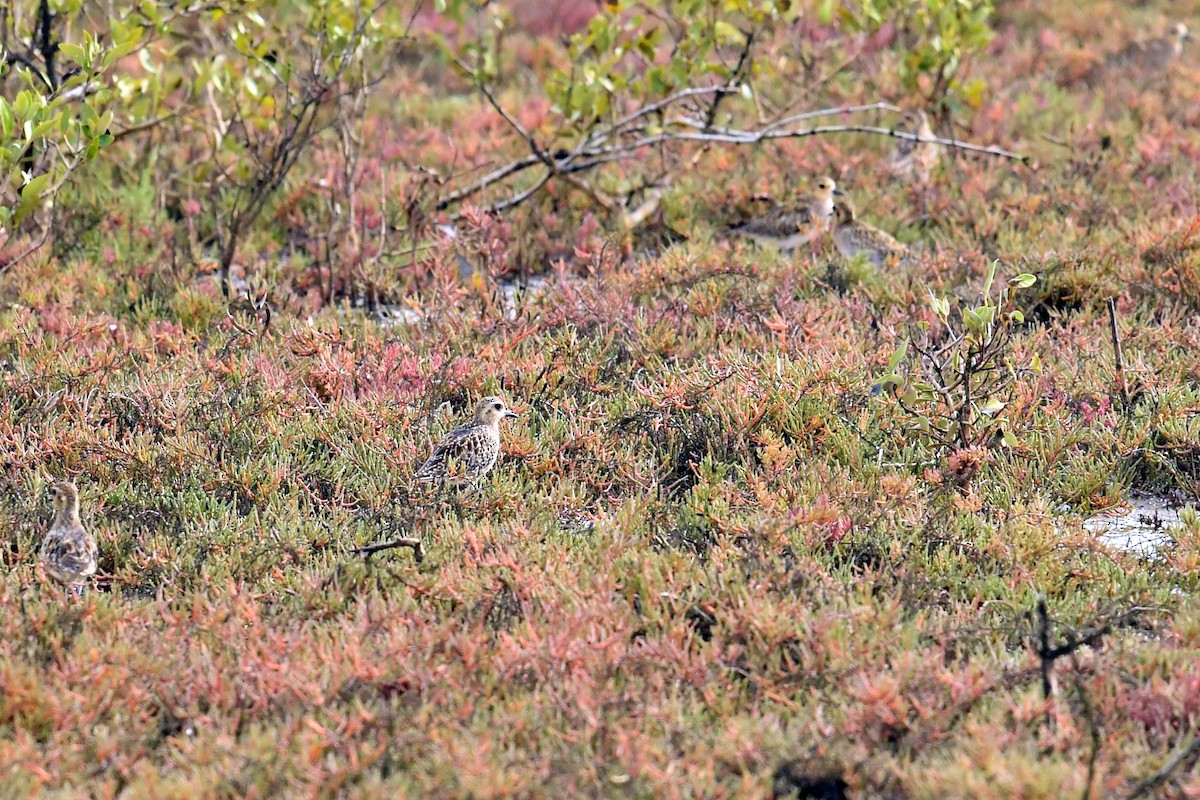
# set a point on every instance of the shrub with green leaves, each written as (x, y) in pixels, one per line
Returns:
(61, 110)
(953, 380)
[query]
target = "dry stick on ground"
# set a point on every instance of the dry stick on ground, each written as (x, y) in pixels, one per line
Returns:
(1089, 713)
(404, 541)
(1048, 655)
(1117, 356)
(1159, 778)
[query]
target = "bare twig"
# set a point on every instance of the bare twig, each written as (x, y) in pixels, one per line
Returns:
(1152, 782)
(141, 127)
(736, 136)
(1118, 357)
(626, 138)
(734, 78)
(1073, 642)
(1043, 647)
(404, 541)
(1089, 712)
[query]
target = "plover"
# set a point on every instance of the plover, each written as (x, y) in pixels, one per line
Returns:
(69, 552)
(469, 451)
(1151, 56)
(788, 227)
(916, 159)
(854, 238)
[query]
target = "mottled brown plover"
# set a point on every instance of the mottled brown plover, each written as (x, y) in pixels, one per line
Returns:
(788, 227)
(1146, 59)
(469, 451)
(69, 552)
(854, 238)
(916, 159)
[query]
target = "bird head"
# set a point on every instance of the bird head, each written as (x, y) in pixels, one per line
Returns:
(843, 212)
(916, 121)
(65, 494)
(491, 410)
(827, 188)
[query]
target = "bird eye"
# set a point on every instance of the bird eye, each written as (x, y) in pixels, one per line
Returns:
(498, 406)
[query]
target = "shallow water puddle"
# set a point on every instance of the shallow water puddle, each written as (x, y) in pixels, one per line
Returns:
(1142, 525)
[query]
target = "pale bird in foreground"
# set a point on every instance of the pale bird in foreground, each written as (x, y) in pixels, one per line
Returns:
(788, 227)
(469, 451)
(1151, 56)
(916, 158)
(69, 552)
(854, 238)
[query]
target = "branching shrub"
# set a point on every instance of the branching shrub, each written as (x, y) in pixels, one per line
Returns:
(953, 381)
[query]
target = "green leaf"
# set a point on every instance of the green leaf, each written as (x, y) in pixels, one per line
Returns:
(1024, 280)
(7, 121)
(825, 12)
(45, 126)
(117, 52)
(897, 357)
(991, 277)
(725, 33)
(941, 305)
(31, 194)
(75, 53)
(24, 104)
(992, 407)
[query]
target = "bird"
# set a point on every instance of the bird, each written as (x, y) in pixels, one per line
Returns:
(1151, 56)
(854, 238)
(469, 451)
(915, 159)
(69, 552)
(788, 227)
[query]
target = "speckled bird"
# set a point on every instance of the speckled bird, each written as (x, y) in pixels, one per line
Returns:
(1143, 58)
(788, 227)
(69, 552)
(854, 238)
(916, 159)
(469, 451)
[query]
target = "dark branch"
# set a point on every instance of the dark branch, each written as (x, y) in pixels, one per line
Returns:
(1152, 782)
(404, 541)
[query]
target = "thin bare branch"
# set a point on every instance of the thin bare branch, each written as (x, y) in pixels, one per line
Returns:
(607, 143)
(1152, 782)
(404, 541)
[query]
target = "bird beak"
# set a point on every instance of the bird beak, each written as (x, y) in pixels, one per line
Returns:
(511, 415)
(838, 192)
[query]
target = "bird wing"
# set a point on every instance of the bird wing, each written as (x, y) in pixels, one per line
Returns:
(782, 221)
(449, 450)
(904, 147)
(1135, 55)
(71, 551)
(885, 242)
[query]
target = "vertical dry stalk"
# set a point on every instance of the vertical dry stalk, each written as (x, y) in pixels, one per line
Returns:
(1117, 356)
